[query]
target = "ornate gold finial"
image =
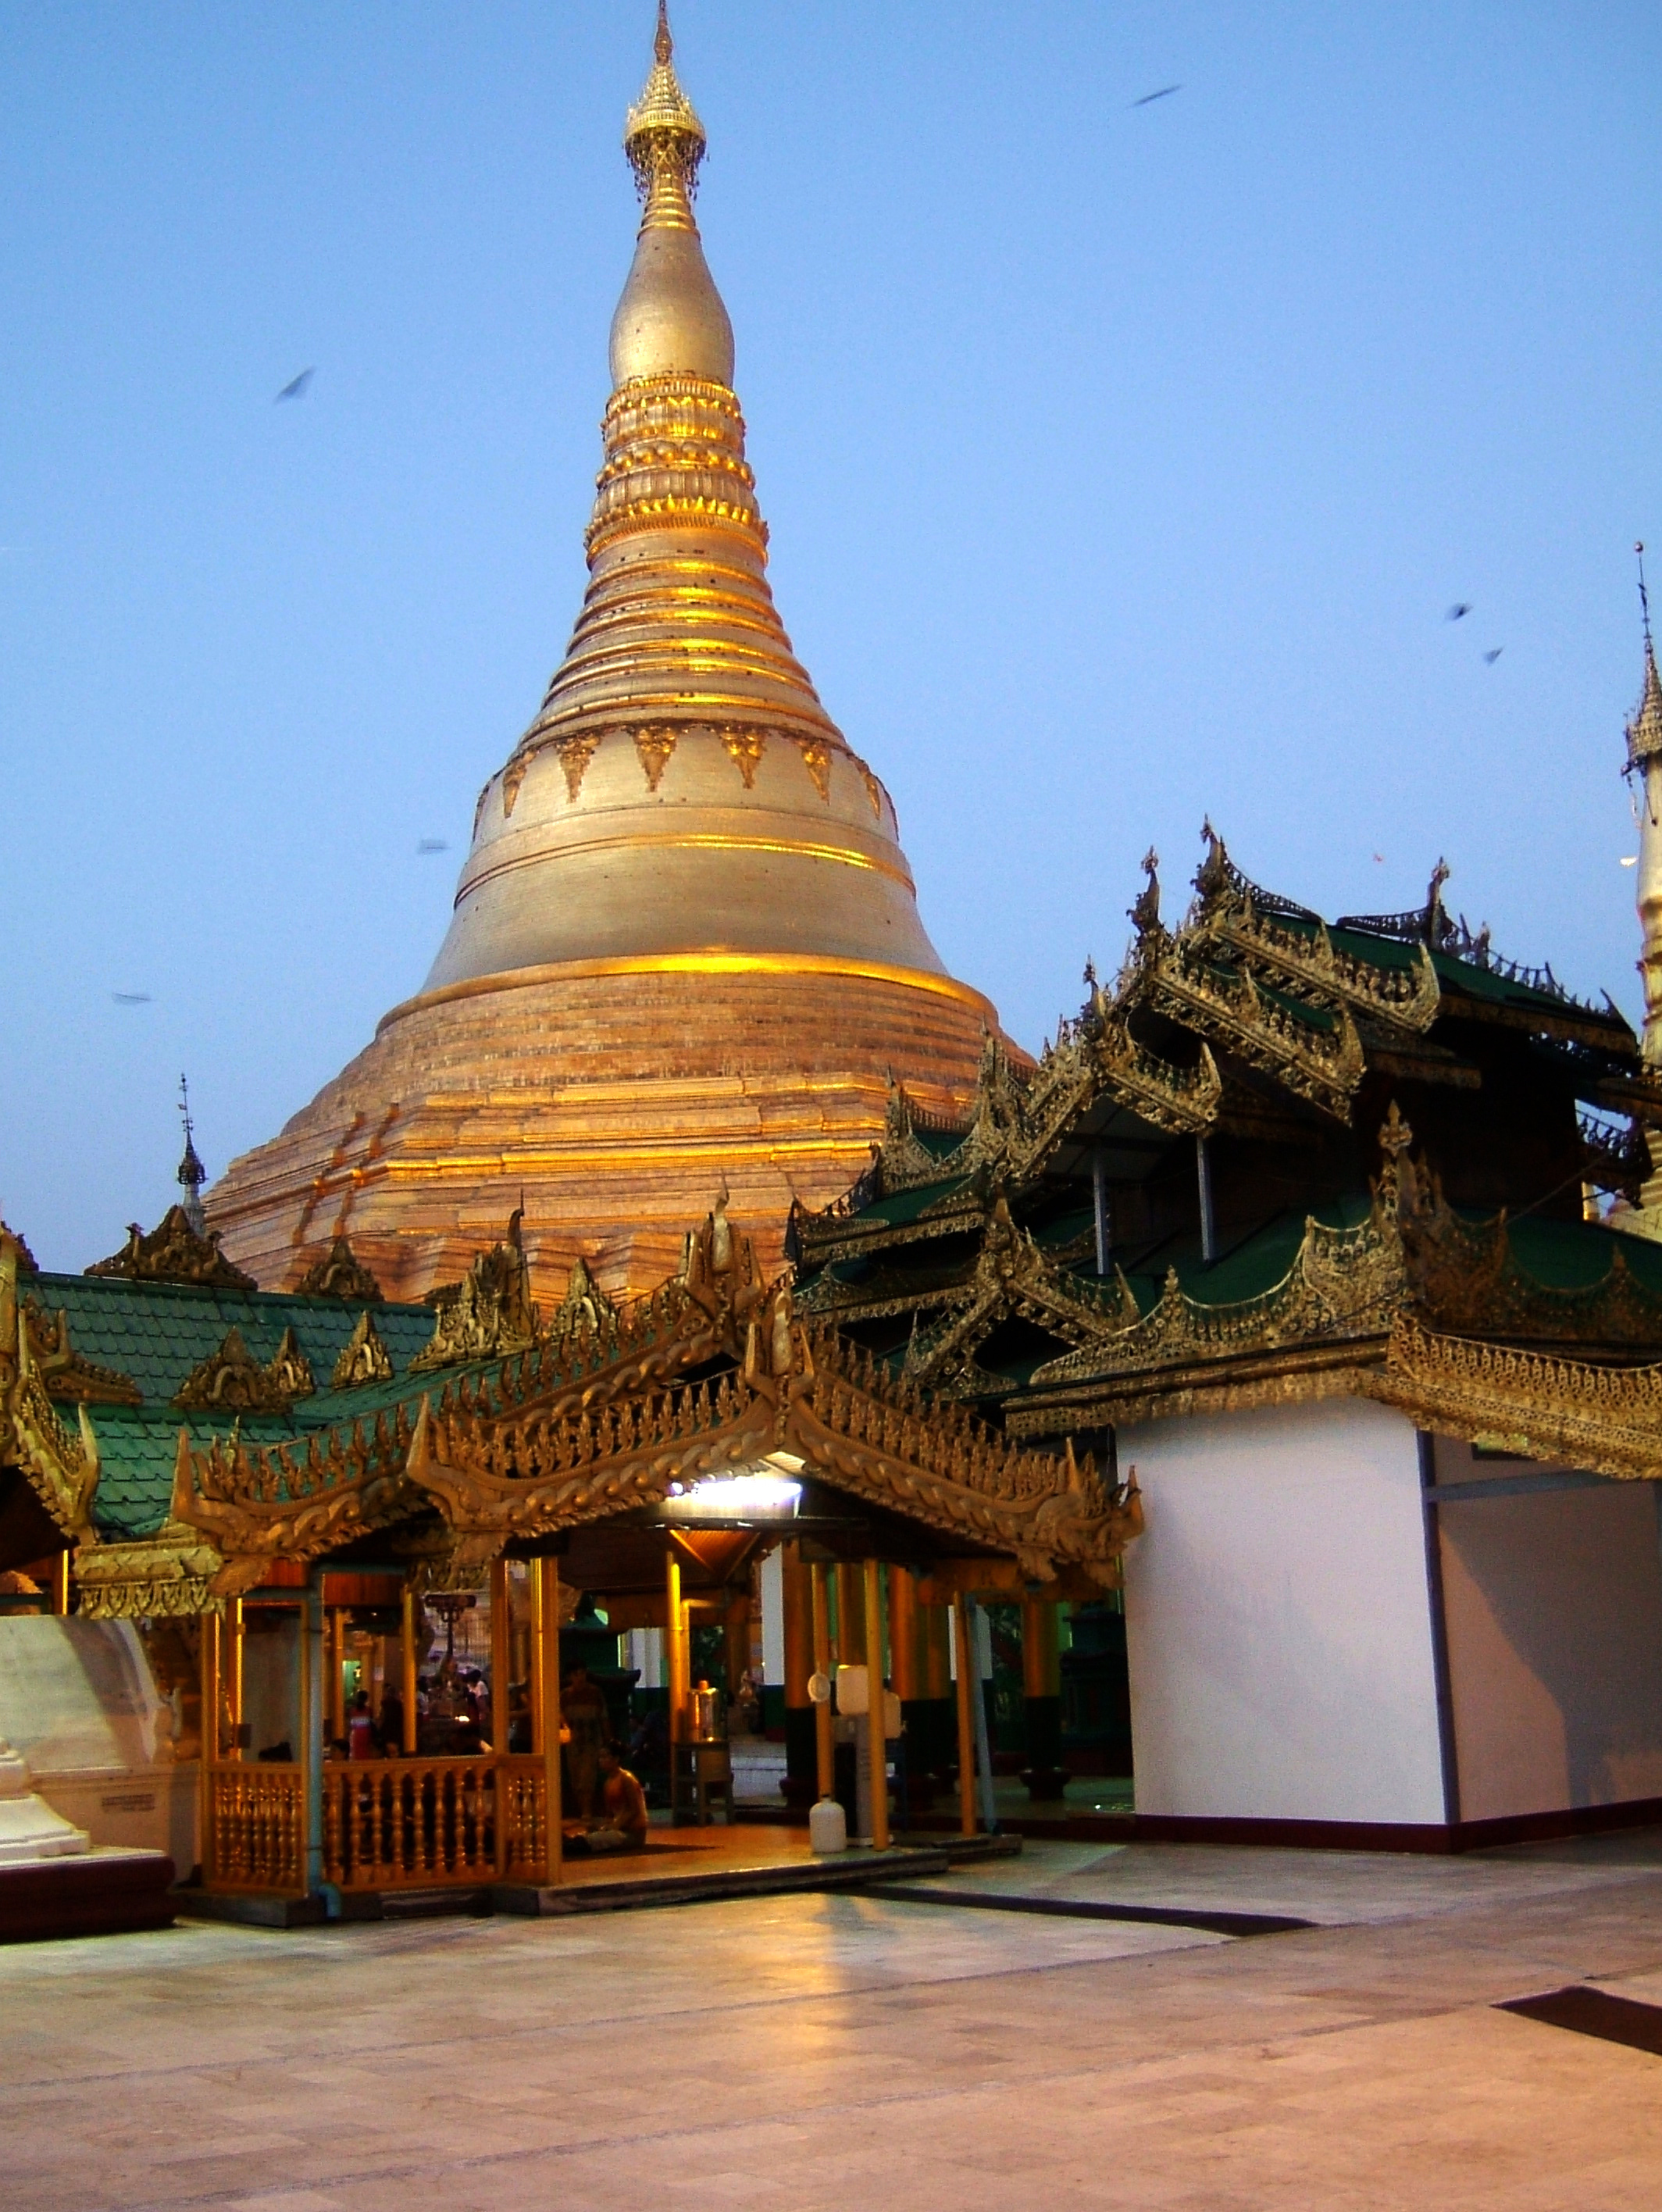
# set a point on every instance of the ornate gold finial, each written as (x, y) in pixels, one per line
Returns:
(663, 138)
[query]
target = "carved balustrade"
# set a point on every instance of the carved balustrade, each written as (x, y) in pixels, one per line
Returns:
(256, 1828)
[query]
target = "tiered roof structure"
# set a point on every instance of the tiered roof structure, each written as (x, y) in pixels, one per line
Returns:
(1282, 1159)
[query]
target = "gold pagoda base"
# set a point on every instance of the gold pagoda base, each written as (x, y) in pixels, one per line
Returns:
(609, 1099)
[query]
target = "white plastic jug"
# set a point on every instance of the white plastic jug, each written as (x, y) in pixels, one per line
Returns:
(828, 1827)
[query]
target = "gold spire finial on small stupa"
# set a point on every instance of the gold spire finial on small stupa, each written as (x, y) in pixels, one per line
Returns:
(1645, 730)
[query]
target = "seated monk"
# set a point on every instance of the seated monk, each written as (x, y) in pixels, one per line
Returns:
(624, 1828)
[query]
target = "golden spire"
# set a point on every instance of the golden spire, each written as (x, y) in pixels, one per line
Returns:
(663, 138)
(670, 320)
(1645, 730)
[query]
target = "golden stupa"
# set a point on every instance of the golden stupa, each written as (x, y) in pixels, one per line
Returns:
(686, 944)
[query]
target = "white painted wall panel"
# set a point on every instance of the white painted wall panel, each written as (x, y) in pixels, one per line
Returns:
(1554, 1609)
(1278, 1619)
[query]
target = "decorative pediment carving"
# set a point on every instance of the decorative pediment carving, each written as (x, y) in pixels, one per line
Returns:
(173, 1253)
(585, 1305)
(340, 1274)
(488, 1314)
(232, 1381)
(364, 1357)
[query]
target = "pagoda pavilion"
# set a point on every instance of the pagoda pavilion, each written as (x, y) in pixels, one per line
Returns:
(686, 941)
(1308, 1224)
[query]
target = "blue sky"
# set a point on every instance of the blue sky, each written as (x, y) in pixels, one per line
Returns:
(1121, 463)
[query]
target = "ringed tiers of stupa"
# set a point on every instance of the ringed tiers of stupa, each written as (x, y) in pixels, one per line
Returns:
(685, 947)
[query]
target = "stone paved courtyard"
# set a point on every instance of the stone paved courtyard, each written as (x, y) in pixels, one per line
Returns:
(848, 2053)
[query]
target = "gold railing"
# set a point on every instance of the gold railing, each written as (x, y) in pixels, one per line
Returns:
(521, 1783)
(256, 1828)
(387, 1823)
(420, 1823)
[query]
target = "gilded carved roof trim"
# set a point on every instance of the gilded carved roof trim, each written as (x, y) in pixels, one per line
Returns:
(1323, 1063)
(536, 1447)
(168, 1575)
(1467, 1278)
(1605, 1420)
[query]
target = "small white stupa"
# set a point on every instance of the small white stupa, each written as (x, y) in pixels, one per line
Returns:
(29, 1829)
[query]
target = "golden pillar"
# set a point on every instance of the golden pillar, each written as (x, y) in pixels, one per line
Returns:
(334, 1645)
(1041, 1689)
(237, 1628)
(545, 1668)
(801, 1721)
(905, 1635)
(500, 1665)
(825, 1753)
(677, 1655)
(737, 1627)
(60, 1583)
(875, 1717)
(966, 1723)
(850, 1615)
(1041, 1657)
(410, 1677)
(209, 1658)
(936, 1640)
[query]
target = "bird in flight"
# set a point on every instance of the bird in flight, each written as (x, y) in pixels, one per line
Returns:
(434, 845)
(296, 388)
(1164, 93)
(130, 998)
(1379, 857)
(1629, 859)
(1491, 658)
(1460, 608)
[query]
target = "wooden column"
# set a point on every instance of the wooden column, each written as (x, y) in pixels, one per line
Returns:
(1042, 1688)
(677, 1658)
(850, 1615)
(676, 1670)
(60, 1583)
(966, 1723)
(501, 1663)
(936, 1653)
(905, 1635)
(500, 1670)
(314, 1652)
(237, 1632)
(545, 1660)
(334, 1640)
(737, 1625)
(408, 1640)
(798, 1598)
(875, 1739)
(209, 1660)
(825, 1750)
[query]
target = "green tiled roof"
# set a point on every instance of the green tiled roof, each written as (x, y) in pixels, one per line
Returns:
(156, 1333)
